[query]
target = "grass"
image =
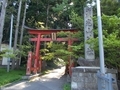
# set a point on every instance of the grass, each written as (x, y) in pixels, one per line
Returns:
(67, 86)
(8, 77)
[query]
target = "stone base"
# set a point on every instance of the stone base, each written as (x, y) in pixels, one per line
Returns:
(85, 78)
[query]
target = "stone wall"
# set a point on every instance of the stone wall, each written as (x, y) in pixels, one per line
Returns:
(84, 78)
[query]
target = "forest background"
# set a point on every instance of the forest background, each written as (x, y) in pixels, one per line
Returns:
(57, 14)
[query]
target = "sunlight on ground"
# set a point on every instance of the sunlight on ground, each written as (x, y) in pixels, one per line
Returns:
(56, 73)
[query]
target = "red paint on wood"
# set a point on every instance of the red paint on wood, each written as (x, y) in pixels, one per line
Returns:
(37, 54)
(29, 64)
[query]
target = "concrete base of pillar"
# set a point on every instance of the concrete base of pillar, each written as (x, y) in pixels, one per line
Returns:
(85, 78)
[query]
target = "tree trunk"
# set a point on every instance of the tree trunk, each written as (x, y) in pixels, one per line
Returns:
(2, 19)
(48, 6)
(16, 36)
(22, 28)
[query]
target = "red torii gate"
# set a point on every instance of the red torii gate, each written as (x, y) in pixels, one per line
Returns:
(35, 65)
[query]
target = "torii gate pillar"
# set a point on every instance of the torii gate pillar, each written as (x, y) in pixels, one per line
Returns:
(37, 63)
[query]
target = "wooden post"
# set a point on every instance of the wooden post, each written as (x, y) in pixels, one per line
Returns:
(70, 63)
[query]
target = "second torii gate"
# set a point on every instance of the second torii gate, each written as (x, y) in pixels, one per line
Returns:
(34, 61)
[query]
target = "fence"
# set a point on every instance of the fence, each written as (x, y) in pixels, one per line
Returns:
(105, 81)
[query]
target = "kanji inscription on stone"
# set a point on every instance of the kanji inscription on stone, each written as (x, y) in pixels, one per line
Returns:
(88, 32)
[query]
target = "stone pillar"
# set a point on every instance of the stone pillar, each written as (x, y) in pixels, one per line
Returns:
(88, 32)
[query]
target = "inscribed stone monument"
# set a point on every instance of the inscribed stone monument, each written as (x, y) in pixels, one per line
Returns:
(88, 32)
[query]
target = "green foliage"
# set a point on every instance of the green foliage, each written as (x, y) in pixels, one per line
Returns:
(110, 7)
(62, 13)
(67, 86)
(26, 46)
(55, 50)
(31, 21)
(49, 44)
(39, 25)
(60, 50)
(62, 34)
(78, 6)
(58, 45)
(111, 23)
(111, 45)
(61, 7)
(78, 50)
(23, 50)
(77, 20)
(8, 53)
(41, 11)
(46, 54)
(63, 54)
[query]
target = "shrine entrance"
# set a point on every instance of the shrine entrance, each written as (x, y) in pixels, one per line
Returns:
(34, 62)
